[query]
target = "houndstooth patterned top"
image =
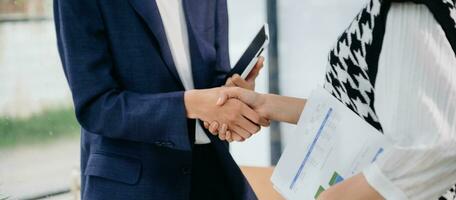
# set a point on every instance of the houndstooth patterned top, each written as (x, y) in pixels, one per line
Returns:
(354, 60)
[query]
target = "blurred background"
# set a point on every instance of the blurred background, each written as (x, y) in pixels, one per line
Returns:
(39, 135)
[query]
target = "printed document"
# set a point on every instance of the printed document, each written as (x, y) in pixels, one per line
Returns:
(331, 143)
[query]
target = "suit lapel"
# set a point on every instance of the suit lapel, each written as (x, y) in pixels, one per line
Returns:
(148, 10)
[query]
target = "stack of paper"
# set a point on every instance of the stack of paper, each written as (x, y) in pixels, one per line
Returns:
(331, 143)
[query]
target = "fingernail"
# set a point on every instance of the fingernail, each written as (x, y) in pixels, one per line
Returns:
(219, 101)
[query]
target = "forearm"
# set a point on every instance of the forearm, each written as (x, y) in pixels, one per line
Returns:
(282, 108)
(354, 188)
(127, 115)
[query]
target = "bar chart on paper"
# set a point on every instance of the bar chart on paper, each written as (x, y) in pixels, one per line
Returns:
(335, 178)
(331, 144)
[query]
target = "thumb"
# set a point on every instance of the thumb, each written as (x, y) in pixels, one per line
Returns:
(227, 93)
(222, 99)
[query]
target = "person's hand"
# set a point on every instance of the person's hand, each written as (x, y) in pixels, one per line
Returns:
(222, 132)
(249, 82)
(354, 188)
(234, 115)
(236, 81)
(252, 99)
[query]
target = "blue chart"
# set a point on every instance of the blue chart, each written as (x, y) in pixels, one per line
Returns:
(311, 148)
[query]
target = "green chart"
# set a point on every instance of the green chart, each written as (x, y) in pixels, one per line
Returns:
(335, 178)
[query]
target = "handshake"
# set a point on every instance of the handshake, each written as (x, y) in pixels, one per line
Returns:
(235, 112)
(232, 113)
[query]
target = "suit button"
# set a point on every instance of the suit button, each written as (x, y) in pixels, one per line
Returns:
(164, 144)
(159, 143)
(186, 171)
(168, 144)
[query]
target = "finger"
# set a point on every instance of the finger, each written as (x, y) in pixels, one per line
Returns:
(241, 132)
(228, 136)
(236, 137)
(229, 82)
(222, 136)
(256, 70)
(255, 117)
(213, 128)
(206, 125)
(264, 122)
(240, 82)
(223, 129)
(248, 125)
(253, 75)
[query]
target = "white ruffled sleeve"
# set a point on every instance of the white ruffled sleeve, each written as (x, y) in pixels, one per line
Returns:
(414, 173)
(415, 97)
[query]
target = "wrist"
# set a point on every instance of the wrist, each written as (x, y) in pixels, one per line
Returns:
(190, 101)
(263, 105)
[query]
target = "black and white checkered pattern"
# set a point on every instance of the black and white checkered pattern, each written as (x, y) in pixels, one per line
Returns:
(348, 77)
(451, 7)
(353, 61)
(450, 194)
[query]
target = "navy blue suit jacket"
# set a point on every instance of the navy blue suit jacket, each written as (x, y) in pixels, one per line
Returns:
(136, 140)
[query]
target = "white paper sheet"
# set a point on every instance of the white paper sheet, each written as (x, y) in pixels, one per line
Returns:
(331, 143)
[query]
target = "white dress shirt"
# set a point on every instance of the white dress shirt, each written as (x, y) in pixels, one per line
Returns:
(415, 96)
(173, 17)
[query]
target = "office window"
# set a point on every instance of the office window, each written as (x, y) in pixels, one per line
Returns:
(39, 136)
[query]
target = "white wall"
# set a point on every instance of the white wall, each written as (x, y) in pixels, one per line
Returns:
(246, 18)
(308, 29)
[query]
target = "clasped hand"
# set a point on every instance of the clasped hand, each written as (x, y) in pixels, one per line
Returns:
(233, 87)
(230, 118)
(250, 99)
(234, 116)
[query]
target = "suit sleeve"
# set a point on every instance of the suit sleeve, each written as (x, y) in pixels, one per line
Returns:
(102, 105)
(222, 40)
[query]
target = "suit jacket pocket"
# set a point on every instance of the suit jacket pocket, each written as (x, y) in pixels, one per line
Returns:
(114, 167)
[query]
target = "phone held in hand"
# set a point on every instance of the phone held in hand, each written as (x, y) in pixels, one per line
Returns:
(250, 57)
